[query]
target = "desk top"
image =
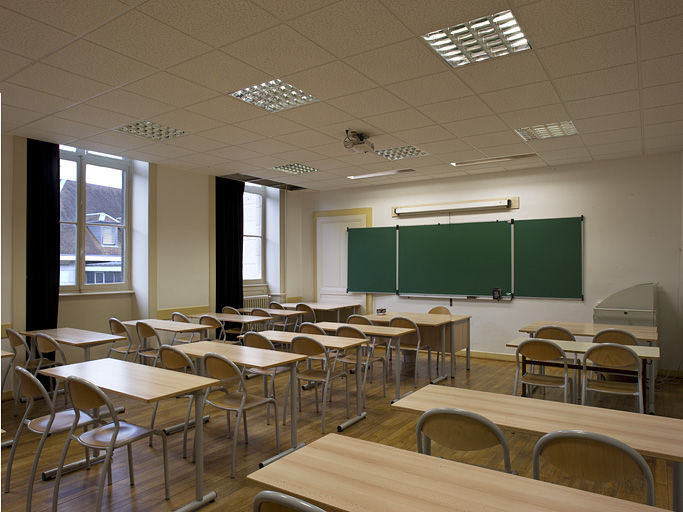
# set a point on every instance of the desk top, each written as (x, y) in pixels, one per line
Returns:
(641, 332)
(330, 342)
(369, 330)
(7, 354)
(274, 312)
(421, 319)
(340, 473)
(77, 337)
(580, 347)
(323, 306)
(242, 356)
(146, 383)
(167, 325)
(231, 317)
(655, 436)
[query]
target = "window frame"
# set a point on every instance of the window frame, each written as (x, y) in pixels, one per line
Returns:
(83, 158)
(260, 191)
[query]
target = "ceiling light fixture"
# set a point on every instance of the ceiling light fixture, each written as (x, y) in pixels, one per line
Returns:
(480, 39)
(378, 174)
(149, 130)
(295, 169)
(546, 131)
(493, 160)
(493, 204)
(274, 96)
(401, 153)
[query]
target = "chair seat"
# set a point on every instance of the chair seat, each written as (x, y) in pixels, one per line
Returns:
(317, 375)
(151, 352)
(269, 371)
(612, 386)
(543, 380)
(100, 437)
(63, 421)
(363, 359)
(123, 350)
(233, 401)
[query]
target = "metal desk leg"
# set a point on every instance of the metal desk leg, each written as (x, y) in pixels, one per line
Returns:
(443, 351)
(360, 414)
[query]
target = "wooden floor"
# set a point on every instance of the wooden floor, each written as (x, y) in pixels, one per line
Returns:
(382, 425)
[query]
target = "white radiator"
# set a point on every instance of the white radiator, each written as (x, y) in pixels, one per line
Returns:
(257, 301)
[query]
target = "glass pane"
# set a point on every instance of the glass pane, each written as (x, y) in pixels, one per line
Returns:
(252, 214)
(251, 263)
(103, 255)
(67, 254)
(104, 198)
(68, 190)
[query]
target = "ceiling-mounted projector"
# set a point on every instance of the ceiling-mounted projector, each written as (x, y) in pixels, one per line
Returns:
(357, 142)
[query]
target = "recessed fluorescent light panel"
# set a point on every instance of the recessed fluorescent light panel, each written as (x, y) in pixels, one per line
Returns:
(480, 39)
(401, 153)
(493, 160)
(295, 169)
(378, 174)
(274, 96)
(546, 131)
(150, 130)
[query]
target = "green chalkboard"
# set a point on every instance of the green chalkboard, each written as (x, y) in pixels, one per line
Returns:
(372, 260)
(549, 258)
(455, 259)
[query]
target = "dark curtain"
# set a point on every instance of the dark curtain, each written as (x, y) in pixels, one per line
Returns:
(42, 235)
(229, 230)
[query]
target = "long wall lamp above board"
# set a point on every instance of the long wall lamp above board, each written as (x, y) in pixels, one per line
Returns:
(499, 204)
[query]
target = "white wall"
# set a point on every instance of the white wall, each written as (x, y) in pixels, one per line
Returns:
(632, 235)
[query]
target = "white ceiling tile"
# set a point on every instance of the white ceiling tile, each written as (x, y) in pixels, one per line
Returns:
(298, 155)
(567, 161)
(360, 159)
(617, 156)
(461, 156)
(350, 27)
(663, 129)
(473, 171)
(227, 109)
(34, 133)
(670, 141)
(434, 170)
(187, 121)
(338, 130)
(518, 148)
(279, 51)
(598, 83)
(661, 38)
(195, 143)
(651, 10)
(535, 116)
(231, 135)
(398, 62)
(445, 146)
(330, 80)
(522, 97)
(58, 82)
(615, 49)
(127, 141)
(612, 136)
(84, 113)
(292, 8)
(134, 154)
(32, 100)
(549, 22)
(526, 165)
(10, 63)
(268, 146)
(661, 71)
(215, 22)
(476, 126)
(492, 139)
(603, 105)
(235, 153)
(27, 37)
(663, 114)
(399, 120)
(608, 122)
(306, 139)
(564, 154)
(658, 96)
(17, 116)
(369, 103)
(432, 133)
(90, 60)
(315, 115)
(456, 110)
(270, 126)
(202, 159)
(385, 141)
(327, 164)
(554, 143)
(161, 46)
(128, 103)
(501, 73)
(334, 150)
(430, 89)
(615, 148)
(232, 167)
(171, 89)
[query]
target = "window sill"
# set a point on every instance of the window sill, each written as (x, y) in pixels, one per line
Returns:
(106, 292)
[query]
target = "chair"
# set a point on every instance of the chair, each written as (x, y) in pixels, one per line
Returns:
(616, 336)
(592, 456)
(267, 322)
(304, 345)
(542, 351)
(309, 328)
(50, 354)
(309, 313)
(174, 359)
(348, 331)
(280, 322)
(231, 328)
(612, 355)
(439, 310)
(274, 501)
(181, 337)
(21, 351)
(109, 437)
(411, 343)
(257, 340)
(460, 430)
(555, 332)
(146, 352)
(219, 367)
(30, 388)
(116, 327)
(212, 323)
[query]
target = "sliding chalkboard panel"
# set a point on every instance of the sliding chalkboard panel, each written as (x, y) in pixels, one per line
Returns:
(455, 259)
(372, 260)
(548, 258)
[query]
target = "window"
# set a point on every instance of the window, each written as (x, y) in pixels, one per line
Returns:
(93, 221)
(252, 263)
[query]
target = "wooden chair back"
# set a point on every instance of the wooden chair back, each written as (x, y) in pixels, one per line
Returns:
(612, 355)
(179, 317)
(221, 368)
(257, 340)
(228, 310)
(117, 327)
(210, 321)
(348, 331)
(358, 320)
(309, 328)
(174, 359)
(30, 386)
(275, 305)
(274, 501)
(85, 395)
(439, 310)
(407, 340)
(17, 342)
(554, 332)
(540, 350)
(306, 346)
(46, 344)
(615, 336)
(309, 315)
(145, 330)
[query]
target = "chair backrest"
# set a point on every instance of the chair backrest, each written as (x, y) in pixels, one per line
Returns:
(30, 386)
(117, 327)
(540, 350)
(275, 305)
(179, 317)
(172, 358)
(229, 310)
(615, 336)
(309, 315)
(592, 456)
(273, 501)
(458, 429)
(257, 340)
(306, 346)
(439, 310)
(86, 396)
(46, 344)
(358, 320)
(612, 355)
(17, 342)
(145, 330)
(554, 332)
(221, 368)
(348, 331)
(309, 328)
(407, 340)
(210, 321)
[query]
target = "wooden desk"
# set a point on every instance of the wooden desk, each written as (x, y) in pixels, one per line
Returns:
(326, 306)
(148, 384)
(340, 473)
(458, 325)
(77, 338)
(284, 313)
(167, 325)
(382, 331)
(653, 436)
(245, 320)
(334, 343)
(257, 358)
(643, 333)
